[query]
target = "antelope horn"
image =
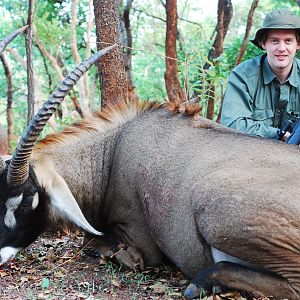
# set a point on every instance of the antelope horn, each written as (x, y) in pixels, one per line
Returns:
(10, 37)
(3, 44)
(18, 170)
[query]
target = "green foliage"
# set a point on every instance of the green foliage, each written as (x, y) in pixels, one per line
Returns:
(231, 52)
(52, 20)
(279, 4)
(199, 80)
(201, 77)
(148, 75)
(148, 62)
(16, 9)
(50, 30)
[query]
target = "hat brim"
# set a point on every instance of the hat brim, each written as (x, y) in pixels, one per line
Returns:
(261, 32)
(258, 36)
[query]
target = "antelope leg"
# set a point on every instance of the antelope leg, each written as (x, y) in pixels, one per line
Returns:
(228, 275)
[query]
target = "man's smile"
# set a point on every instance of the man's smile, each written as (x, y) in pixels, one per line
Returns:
(281, 56)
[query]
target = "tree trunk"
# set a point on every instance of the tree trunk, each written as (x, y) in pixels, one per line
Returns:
(174, 91)
(127, 42)
(3, 142)
(83, 99)
(88, 52)
(28, 44)
(53, 63)
(93, 85)
(111, 68)
(211, 102)
(37, 85)
(9, 113)
(48, 55)
(222, 100)
(225, 12)
(247, 33)
(36, 80)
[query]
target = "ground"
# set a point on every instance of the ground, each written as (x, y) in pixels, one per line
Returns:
(55, 267)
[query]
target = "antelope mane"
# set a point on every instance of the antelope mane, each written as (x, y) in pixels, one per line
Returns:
(111, 117)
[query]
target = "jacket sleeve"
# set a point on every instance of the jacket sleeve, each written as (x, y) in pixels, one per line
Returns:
(238, 112)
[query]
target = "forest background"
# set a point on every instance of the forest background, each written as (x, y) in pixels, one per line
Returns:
(190, 64)
(59, 26)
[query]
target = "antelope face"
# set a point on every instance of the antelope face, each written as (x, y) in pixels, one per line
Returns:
(23, 216)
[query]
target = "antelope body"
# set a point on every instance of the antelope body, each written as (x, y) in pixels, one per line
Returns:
(160, 184)
(214, 201)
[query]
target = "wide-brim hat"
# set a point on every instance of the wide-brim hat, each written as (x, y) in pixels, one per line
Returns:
(277, 19)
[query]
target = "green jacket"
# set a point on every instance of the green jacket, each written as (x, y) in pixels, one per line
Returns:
(255, 102)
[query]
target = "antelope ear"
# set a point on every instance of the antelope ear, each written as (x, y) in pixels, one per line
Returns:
(62, 200)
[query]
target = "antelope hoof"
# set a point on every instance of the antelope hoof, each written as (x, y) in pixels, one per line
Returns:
(130, 258)
(92, 253)
(192, 291)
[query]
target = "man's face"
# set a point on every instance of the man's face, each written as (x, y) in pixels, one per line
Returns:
(281, 46)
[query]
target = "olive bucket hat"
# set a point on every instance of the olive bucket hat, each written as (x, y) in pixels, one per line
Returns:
(277, 19)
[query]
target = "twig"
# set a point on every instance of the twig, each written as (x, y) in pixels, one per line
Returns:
(109, 44)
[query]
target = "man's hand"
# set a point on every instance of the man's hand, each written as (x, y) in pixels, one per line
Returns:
(286, 135)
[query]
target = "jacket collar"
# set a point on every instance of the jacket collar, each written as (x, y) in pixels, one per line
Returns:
(269, 76)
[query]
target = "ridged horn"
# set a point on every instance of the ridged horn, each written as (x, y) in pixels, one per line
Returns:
(18, 170)
(10, 37)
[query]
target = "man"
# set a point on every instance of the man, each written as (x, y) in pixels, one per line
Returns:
(264, 91)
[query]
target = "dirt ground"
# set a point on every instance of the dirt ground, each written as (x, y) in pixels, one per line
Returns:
(55, 267)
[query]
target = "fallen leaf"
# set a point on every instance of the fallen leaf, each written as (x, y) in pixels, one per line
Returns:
(183, 282)
(24, 279)
(159, 288)
(30, 271)
(59, 274)
(3, 274)
(115, 283)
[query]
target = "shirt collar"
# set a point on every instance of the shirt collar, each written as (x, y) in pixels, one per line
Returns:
(268, 75)
(293, 79)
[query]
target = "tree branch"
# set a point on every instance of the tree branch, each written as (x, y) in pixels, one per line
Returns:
(247, 33)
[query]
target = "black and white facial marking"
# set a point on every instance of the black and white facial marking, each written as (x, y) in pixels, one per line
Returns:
(23, 216)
